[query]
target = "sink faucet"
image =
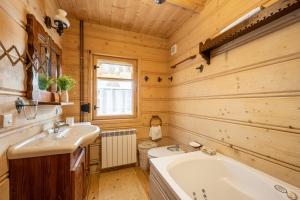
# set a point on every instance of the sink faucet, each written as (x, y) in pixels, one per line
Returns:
(58, 125)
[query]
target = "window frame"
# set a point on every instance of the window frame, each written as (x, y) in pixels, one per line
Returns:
(134, 80)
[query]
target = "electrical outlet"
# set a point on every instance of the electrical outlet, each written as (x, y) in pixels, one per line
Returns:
(6, 120)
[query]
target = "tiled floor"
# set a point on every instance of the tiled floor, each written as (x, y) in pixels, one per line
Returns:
(124, 184)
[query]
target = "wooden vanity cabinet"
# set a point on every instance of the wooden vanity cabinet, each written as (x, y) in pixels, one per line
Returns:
(78, 178)
(54, 177)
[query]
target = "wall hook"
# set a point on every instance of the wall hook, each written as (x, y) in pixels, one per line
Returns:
(171, 78)
(200, 68)
(146, 78)
(159, 79)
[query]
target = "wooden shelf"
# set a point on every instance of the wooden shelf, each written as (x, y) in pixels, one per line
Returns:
(57, 103)
(264, 17)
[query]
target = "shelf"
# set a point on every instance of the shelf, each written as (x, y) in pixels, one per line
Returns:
(57, 103)
(264, 17)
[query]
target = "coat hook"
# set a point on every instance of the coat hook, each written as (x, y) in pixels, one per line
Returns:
(146, 78)
(159, 79)
(200, 68)
(171, 78)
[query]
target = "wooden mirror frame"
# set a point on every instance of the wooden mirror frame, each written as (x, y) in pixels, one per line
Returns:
(48, 61)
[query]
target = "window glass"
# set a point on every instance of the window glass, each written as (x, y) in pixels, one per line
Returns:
(114, 70)
(114, 97)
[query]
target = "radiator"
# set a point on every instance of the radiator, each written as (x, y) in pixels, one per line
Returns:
(118, 148)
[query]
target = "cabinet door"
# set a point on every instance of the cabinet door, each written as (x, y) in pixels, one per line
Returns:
(87, 169)
(78, 178)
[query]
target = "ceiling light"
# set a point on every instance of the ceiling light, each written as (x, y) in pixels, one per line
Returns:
(159, 1)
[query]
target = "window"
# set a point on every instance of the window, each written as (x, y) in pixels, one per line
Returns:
(115, 87)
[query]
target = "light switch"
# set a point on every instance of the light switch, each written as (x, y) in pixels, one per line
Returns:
(6, 120)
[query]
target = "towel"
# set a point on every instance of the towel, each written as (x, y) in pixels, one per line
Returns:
(155, 132)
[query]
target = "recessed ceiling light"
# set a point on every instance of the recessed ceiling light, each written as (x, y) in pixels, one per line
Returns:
(159, 1)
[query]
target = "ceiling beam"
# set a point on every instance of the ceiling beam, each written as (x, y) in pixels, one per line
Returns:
(193, 5)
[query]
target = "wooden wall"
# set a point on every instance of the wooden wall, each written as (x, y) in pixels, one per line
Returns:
(246, 103)
(151, 54)
(13, 78)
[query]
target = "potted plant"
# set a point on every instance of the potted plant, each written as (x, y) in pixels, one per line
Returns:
(64, 84)
(44, 81)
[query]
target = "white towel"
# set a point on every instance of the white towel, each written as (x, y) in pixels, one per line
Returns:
(155, 132)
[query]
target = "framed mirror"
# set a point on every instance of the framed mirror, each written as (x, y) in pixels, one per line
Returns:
(47, 58)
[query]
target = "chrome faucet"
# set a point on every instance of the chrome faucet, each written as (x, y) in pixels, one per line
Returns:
(58, 125)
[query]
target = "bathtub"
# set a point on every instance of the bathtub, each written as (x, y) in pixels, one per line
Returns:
(199, 176)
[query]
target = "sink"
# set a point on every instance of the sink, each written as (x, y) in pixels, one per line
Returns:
(66, 141)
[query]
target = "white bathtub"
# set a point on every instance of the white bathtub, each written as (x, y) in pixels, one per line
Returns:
(199, 176)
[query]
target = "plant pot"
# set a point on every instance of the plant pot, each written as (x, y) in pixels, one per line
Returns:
(44, 96)
(64, 96)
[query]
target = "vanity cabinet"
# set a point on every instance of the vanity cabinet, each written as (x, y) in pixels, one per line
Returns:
(78, 178)
(53, 177)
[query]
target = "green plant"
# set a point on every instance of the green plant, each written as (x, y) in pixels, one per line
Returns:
(45, 81)
(65, 83)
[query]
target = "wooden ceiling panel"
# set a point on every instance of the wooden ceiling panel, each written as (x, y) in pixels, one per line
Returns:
(141, 16)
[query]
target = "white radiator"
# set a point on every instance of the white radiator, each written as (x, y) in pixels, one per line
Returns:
(118, 148)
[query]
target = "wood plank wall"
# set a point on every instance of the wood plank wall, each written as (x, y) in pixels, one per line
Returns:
(152, 55)
(13, 78)
(246, 103)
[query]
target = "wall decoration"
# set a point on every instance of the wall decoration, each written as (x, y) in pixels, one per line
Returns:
(27, 61)
(262, 18)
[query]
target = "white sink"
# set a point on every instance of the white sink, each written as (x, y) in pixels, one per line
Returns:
(44, 144)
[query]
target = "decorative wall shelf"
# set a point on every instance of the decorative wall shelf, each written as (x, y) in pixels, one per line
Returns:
(189, 58)
(264, 17)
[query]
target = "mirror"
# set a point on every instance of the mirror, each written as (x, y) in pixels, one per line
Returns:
(47, 57)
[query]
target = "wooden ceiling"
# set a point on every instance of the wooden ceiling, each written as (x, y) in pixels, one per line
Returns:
(141, 16)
